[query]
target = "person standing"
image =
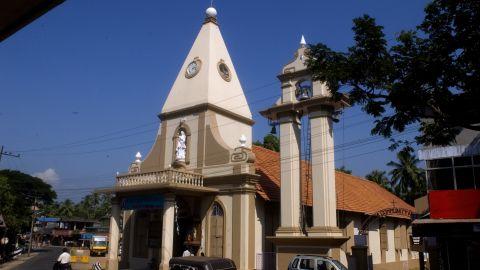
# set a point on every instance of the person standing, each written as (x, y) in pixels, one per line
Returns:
(64, 260)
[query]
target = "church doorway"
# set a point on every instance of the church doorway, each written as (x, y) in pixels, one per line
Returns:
(187, 227)
(216, 230)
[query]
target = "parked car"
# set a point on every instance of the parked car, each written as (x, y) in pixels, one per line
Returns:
(201, 263)
(315, 262)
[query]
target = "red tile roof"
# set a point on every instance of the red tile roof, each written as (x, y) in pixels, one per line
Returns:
(354, 194)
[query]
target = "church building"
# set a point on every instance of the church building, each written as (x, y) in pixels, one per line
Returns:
(204, 187)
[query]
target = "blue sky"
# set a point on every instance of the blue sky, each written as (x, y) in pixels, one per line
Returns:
(96, 73)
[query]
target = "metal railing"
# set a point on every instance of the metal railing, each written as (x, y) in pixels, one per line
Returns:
(160, 177)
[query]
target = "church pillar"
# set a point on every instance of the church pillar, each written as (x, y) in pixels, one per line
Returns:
(126, 241)
(167, 230)
(289, 174)
(243, 227)
(114, 235)
(323, 172)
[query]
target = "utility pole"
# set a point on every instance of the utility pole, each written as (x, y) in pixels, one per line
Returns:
(3, 153)
(31, 227)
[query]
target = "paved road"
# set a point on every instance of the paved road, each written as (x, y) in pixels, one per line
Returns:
(43, 261)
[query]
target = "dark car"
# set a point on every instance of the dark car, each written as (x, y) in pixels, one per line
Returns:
(201, 263)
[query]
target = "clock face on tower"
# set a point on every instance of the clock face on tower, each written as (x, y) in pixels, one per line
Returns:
(193, 68)
(224, 71)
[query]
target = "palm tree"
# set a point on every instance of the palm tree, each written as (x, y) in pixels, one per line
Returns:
(407, 178)
(66, 209)
(94, 206)
(380, 177)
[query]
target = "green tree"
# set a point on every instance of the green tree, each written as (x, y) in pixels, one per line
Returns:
(431, 73)
(7, 202)
(408, 180)
(270, 141)
(66, 209)
(380, 177)
(94, 206)
(344, 170)
(25, 189)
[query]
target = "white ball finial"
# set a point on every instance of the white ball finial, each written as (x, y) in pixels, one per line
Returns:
(243, 140)
(211, 12)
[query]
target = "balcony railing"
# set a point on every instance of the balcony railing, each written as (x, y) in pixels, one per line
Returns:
(168, 176)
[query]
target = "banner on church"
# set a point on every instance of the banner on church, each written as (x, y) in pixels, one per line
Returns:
(154, 201)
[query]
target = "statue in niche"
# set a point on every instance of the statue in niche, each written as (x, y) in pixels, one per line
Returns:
(181, 148)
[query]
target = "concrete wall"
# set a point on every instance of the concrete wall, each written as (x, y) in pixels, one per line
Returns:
(390, 253)
(374, 242)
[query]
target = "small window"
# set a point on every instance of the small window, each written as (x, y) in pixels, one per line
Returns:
(440, 179)
(462, 161)
(476, 160)
(217, 210)
(439, 163)
(295, 263)
(307, 264)
(325, 265)
(464, 177)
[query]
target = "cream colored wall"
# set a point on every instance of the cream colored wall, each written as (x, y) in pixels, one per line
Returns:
(390, 253)
(374, 242)
(244, 231)
(343, 258)
(192, 122)
(208, 85)
(230, 130)
(259, 225)
(297, 63)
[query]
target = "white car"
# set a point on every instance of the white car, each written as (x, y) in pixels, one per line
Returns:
(315, 262)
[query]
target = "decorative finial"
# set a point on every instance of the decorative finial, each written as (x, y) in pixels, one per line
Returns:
(243, 140)
(303, 42)
(211, 12)
(138, 157)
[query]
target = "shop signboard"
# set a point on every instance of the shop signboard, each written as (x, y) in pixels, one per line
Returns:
(153, 201)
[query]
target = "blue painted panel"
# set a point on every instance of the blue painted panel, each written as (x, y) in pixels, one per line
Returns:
(154, 201)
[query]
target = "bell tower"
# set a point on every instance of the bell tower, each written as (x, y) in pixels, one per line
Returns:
(302, 96)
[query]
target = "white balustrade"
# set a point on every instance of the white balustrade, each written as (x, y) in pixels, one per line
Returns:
(165, 176)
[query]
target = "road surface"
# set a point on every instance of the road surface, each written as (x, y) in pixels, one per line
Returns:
(43, 261)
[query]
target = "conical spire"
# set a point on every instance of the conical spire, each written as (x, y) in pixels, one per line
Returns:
(208, 75)
(303, 42)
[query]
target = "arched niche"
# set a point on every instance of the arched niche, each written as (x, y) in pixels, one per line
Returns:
(185, 128)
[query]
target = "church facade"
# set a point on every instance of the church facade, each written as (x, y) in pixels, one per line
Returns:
(204, 187)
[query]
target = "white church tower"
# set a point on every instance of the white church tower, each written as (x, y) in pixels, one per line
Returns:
(304, 97)
(196, 187)
(207, 104)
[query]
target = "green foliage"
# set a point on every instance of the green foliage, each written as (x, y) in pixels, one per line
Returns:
(408, 180)
(270, 141)
(431, 73)
(344, 170)
(19, 190)
(7, 202)
(92, 206)
(380, 177)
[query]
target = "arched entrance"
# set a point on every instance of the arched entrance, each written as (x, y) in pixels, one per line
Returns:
(216, 230)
